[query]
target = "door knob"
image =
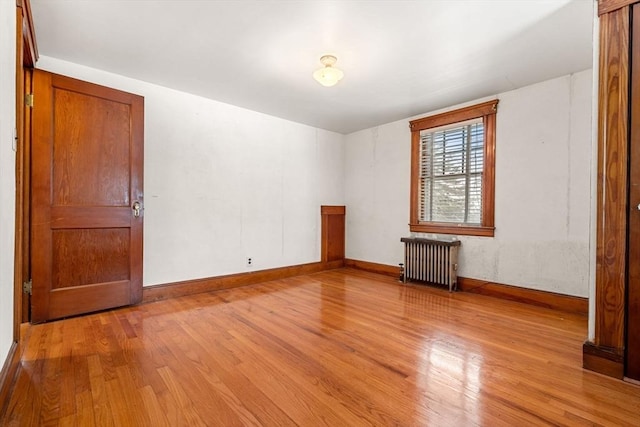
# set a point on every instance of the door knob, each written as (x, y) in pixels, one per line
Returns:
(136, 209)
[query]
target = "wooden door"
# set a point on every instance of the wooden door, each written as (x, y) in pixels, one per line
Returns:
(86, 189)
(632, 356)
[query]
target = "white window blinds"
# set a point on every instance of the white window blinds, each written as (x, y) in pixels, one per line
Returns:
(451, 165)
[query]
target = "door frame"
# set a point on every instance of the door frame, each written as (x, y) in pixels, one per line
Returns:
(26, 58)
(632, 301)
(605, 351)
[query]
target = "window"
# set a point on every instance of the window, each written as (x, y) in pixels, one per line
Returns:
(452, 171)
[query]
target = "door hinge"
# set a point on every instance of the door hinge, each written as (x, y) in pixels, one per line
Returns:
(28, 100)
(27, 287)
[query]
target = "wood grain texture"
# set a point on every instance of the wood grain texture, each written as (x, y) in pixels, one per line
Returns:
(230, 281)
(373, 267)
(567, 303)
(8, 373)
(63, 217)
(632, 357)
(335, 242)
(23, 210)
(606, 6)
(333, 210)
(611, 228)
(87, 298)
(332, 245)
(18, 273)
(40, 196)
(459, 115)
(87, 162)
(602, 360)
(29, 46)
(414, 194)
(332, 233)
(26, 57)
(486, 111)
(89, 256)
(90, 170)
(337, 348)
(489, 175)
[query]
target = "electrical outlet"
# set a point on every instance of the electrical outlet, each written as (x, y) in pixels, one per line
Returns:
(249, 262)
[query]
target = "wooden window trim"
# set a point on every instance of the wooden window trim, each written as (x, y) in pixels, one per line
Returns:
(486, 111)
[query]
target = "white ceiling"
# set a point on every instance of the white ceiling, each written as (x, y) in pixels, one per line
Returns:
(400, 58)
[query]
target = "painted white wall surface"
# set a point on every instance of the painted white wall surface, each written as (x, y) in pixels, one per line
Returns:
(543, 190)
(7, 171)
(224, 183)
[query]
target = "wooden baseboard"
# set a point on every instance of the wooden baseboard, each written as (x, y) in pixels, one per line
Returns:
(603, 360)
(190, 287)
(632, 381)
(373, 267)
(536, 297)
(7, 375)
(552, 300)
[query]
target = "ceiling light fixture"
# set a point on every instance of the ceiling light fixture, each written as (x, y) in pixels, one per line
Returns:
(328, 75)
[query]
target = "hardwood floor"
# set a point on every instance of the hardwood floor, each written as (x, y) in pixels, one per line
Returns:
(338, 348)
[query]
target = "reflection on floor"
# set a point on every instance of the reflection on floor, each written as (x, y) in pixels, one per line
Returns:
(338, 348)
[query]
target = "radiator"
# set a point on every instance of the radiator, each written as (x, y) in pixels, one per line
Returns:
(432, 261)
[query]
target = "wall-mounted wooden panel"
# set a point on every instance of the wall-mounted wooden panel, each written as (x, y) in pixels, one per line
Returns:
(613, 158)
(333, 233)
(632, 347)
(612, 177)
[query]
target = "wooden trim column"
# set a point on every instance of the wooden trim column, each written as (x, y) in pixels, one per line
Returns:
(26, 57)
(632, 295)
(333, 233)
(606, 6)
(17, 271)
(606, 353)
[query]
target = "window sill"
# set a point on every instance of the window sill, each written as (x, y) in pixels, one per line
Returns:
(460, 229)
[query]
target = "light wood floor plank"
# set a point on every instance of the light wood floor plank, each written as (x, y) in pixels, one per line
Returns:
(103, 412)
(152, 407)
(337, 348)
(187, 414)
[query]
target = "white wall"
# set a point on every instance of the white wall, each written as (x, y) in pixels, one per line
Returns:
(543, 192)
(7, 171)
(223, 183)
